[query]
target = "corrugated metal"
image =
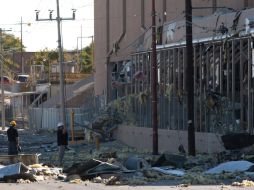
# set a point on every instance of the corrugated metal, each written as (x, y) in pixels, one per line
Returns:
(47, 118)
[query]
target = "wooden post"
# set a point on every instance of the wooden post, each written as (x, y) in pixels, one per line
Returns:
(154, 83)
(72, 127)
(190, 78)
(97, 142)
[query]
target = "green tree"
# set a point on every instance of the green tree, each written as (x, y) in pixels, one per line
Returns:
(10, 45)
(10, 42)
(86, 59)
(53, 55)
(47, 56)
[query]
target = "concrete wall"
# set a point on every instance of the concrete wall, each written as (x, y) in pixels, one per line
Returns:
(169, 140)
(100, 44)
(105, 37)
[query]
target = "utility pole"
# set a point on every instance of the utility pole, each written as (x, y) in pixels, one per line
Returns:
(154, 83)
(190, 79)
(21, 48)
(60, 53)
(93, 53)
(79, 59)
(78, 62)
(21, 45)
(81, 46)
(2, 77)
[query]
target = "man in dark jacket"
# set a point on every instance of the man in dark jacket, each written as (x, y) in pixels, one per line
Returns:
(62, 141)
(13, 139)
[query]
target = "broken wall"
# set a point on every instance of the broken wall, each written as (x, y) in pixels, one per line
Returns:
(169, 140)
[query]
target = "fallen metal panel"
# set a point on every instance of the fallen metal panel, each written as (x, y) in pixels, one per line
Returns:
(103, 168)
(169, 171)
(13, 169)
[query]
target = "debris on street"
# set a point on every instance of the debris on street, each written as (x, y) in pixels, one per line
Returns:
(14, 169)
(244, 183)
(233, 166)
(117, 164)
(169, 171)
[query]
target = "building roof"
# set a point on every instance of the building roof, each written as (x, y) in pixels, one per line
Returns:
(204, 28)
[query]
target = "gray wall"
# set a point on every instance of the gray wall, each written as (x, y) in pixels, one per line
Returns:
(169, 140)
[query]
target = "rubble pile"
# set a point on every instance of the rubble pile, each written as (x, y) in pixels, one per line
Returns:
(141, 168)
(117, 164)
(102, 127)
(26, 174)
(244, 183)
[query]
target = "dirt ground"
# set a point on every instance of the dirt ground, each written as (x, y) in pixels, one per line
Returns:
(52, 185)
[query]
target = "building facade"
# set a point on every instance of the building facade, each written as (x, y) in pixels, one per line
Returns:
(222, 64)
(120, 23)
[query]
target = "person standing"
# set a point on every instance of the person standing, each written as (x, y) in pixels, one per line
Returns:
(13, 139)
(62, 141)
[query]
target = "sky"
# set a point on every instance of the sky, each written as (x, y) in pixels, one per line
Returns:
(38, 35)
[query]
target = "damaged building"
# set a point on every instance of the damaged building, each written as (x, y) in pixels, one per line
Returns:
(223, 70)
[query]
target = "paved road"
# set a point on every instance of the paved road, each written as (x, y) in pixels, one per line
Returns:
(52, 185)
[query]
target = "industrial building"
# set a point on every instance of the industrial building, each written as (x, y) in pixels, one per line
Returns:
(223, 69)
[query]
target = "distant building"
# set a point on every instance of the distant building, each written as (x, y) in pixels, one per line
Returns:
(68, 67)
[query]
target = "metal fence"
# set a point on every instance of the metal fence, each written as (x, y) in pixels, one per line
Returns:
(223, 87)
(47, 118)
(223, 90)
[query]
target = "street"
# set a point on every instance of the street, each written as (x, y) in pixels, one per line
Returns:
(51, 185)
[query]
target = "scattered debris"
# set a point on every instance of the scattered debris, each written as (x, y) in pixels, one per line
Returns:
(198, 179)
(168, 159)
(112, 180)
(244, 183)
(233, 166)
(92, 168)
(169, 171)
(235, 141)
(23, 181)
(11, 170)
(109, 154)
(117, 164)
(135, 163)
(72, 177)
(105, 124)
